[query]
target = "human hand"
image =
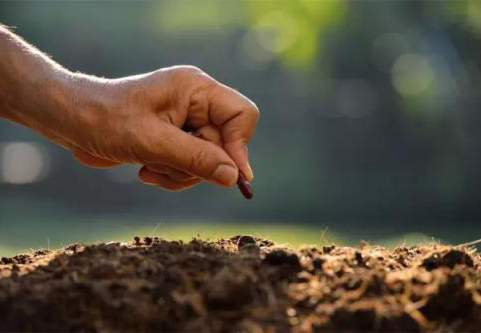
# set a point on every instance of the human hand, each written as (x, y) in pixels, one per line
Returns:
(139, 119)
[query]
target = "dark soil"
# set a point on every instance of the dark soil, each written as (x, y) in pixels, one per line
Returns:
(242, 284)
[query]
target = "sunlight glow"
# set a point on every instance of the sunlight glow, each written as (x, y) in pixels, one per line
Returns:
(277, 31)
(412, 74)
(252, 55)
(23, 163)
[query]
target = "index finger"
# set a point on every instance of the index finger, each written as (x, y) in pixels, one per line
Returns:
(236, 116)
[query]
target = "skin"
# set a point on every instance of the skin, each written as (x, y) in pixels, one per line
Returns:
(136, 119)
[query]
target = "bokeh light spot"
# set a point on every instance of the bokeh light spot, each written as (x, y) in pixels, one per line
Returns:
(276, 31)
(473, 16)
(23, 163)
(412, 74)
(252, 55)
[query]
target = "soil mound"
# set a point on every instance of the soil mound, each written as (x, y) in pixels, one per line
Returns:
(241, 284)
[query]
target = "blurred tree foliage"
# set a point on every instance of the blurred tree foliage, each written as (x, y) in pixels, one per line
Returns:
(294, 30)
(370, 110)
(290, 29)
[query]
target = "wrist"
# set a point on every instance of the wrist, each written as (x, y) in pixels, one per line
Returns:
(50, 107)
(82, 102)
(77, 103)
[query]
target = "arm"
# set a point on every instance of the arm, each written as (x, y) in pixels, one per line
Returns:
(32, 87)
(138, 119)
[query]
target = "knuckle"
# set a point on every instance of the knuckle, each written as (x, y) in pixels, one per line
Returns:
(198, 161)
(254, 111)
(192, 69)
(185, 70)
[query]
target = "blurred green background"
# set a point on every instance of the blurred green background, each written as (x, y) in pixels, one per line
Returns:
(370, 121)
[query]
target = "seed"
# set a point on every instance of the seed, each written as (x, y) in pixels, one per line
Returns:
(244, 186)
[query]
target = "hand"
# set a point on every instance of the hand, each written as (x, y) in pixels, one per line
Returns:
(136, 119)
(140, 119)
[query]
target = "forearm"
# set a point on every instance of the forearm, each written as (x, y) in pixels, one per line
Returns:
(31, 84)
(38, 93)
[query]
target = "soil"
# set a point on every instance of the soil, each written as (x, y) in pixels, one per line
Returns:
(241, 284)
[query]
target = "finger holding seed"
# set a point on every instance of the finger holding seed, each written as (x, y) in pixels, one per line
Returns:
(210, 133)
(157, 174)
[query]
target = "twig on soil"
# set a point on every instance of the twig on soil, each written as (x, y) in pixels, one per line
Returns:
(155, 229)
(323, 236)
(470, 243)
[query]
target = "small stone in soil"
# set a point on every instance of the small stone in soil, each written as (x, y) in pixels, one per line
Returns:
(328, 249)
(244, 240)
(279, 257)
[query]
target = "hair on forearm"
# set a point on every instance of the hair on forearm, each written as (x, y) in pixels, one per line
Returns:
(6, 27)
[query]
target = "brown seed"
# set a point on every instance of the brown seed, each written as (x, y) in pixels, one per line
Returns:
(244, 186)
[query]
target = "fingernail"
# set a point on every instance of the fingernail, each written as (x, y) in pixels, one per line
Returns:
(225, 175)
(249, 174)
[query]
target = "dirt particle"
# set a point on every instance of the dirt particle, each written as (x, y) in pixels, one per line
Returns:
(22, 259)
(317, 263)
(244, 240)
(452, 301)
(250, 249)
(328, 249)
(266, 243)
(39, 253)
(74, 248)
(228, 290)
(359, 259)
(7, 261)
(447, 259)
(103, 271)
(291, 312)
(282, 257)
(148, 241)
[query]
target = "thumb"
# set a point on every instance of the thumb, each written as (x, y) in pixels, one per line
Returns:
(195, 156)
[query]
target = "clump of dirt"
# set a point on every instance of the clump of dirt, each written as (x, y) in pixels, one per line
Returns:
(241, 284)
